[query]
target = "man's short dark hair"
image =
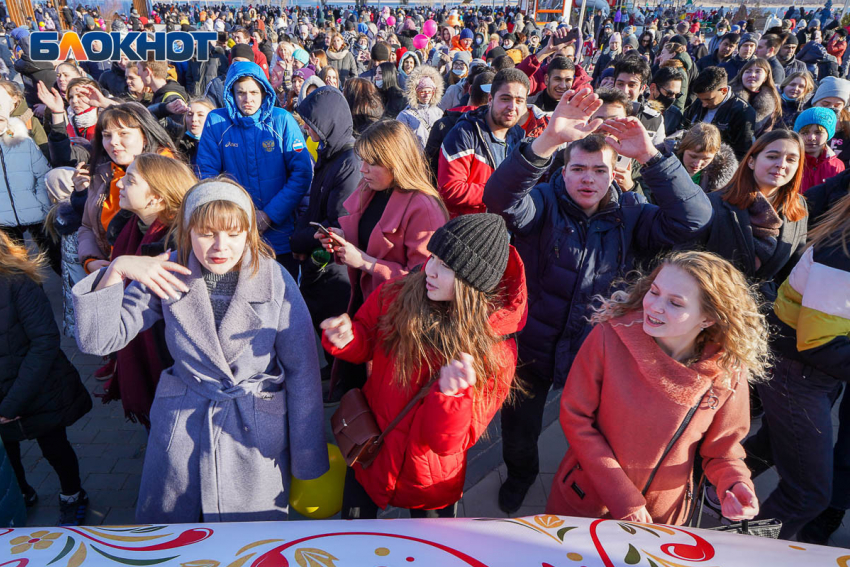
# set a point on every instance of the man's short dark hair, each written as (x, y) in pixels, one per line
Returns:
(560, 64)
(477, 97)
(772, 41)
(502, 62)
(731, 37)
(591, 144)
(506, 76)
(633, 65)
(665, 75)
(709, 80)
(614, 96)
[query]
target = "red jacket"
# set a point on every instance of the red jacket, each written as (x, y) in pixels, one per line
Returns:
(422, 464)
(623, 401)
(819, 169)
(259, 58)
(536, 72)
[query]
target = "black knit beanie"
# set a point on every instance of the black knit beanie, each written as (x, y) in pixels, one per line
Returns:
(475, 247)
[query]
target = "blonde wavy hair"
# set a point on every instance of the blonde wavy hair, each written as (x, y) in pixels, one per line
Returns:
(15, 259)
(392, 145)
(168, 179)
(726, 298)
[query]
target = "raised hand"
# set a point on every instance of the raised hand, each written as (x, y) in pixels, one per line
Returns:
(338, 330)
(629, 138)
(571, 121)
(51, 98)
(457, 375)
(81, 177)
(95, 97)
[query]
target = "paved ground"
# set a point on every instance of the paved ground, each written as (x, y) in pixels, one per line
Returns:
(111, 449)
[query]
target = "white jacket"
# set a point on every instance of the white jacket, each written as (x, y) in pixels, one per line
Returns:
(23, 194)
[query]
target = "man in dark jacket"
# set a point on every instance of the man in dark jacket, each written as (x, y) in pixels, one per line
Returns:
(32, 72)
(576, 235)
(725, 50)
(480, 141)
(717, 105)
(324, 283)
(665, 89)
(440, 129)
(746, 51)
(200, 73)
(558, 79)
(787, 55)
(114, 81)
(767, 48)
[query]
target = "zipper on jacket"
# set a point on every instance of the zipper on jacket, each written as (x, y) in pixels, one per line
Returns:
(557, 251)
(9, 187)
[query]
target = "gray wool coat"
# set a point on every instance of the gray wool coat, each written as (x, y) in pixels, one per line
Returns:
(241, 408)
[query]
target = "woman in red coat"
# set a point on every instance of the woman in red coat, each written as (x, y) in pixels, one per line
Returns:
(444, 328)
(682, 341)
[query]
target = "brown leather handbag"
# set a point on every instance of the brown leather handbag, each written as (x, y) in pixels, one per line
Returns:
(357, 433)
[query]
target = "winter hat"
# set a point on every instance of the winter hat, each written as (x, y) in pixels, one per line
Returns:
(362, 28)
(209, 191)
(380, 52)
(304, 72)
(631, 41)
(467, 34)
(792, 40)
(748, 38)
(464, 56)
(242, 50)
(823, 117)
(832, 87)
(680, 39)
(475, 247)
(301, 56)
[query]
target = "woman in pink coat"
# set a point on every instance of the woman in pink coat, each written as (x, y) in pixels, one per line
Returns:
(391, 217)
(673, 353)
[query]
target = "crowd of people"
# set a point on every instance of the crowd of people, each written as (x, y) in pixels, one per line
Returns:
(447, 213)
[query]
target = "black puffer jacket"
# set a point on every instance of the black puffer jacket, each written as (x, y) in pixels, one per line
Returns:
(37, 382)
(32, 72)
(114, 81)
(335, 178)
(199, 74)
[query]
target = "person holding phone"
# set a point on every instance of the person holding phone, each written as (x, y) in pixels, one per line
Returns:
(391, 216)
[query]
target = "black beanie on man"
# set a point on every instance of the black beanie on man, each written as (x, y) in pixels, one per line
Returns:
(380, 52)
(242, 50)
(475, 247)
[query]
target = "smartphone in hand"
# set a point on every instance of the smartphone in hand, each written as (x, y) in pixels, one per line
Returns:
(322, 229)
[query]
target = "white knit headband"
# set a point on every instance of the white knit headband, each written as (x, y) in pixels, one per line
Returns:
(216, 191)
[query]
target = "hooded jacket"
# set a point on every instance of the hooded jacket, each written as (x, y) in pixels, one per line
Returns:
(422, 463)
(264, 152)
(763, 104)
(623, 402)
(114, 81)
(335, 179)
(570, 258)
(23, 195)
(422, 117)
(468, 157)
(313, 81)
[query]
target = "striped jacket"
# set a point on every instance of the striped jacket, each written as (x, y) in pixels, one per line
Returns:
(813, 307)
(468, 158)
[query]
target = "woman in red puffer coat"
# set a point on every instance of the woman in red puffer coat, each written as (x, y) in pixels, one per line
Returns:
(449, 324)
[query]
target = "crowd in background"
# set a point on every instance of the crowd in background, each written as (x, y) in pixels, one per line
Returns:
(448, 212)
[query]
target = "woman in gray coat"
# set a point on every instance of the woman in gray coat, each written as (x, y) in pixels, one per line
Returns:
(241, 407)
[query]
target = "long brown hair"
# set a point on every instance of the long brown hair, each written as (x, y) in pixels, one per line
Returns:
(392, 145)
(741, 190)
(768, 87)
(15, 259)
(726, 298)
(419, 333)
(834, 226)
(169, 179)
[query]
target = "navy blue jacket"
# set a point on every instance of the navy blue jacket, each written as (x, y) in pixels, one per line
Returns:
(569, 258)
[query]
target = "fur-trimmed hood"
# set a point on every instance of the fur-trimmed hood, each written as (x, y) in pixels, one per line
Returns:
(762, 102)
(717, 173)
(15, 132)
(413, 80)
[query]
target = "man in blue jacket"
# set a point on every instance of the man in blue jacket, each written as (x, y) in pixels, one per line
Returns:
(577, 234)
(262, 148)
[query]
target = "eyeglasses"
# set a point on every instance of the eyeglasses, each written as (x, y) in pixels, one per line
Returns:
(675, 96)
